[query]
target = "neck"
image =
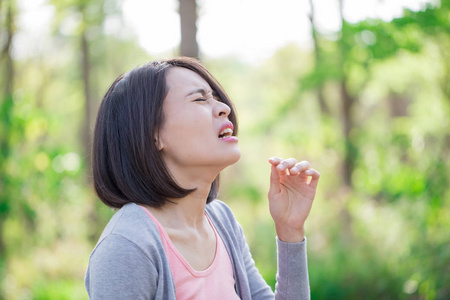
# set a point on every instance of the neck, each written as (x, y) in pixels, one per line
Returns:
(186, 212)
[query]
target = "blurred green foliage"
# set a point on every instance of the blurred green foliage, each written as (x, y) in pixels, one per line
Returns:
(382, 234)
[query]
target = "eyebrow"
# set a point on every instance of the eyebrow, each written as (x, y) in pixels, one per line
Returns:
(198, 91)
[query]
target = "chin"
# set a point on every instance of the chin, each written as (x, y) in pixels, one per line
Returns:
(235, 157)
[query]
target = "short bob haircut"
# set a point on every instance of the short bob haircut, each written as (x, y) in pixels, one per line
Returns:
(127, 165)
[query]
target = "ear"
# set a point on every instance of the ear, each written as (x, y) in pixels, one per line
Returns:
(159, 144)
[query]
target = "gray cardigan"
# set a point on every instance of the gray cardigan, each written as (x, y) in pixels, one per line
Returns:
(129, 261)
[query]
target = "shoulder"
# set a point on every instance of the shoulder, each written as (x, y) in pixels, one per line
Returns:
(218, 209)
(131, 228)
(222, 217)
(129, 260)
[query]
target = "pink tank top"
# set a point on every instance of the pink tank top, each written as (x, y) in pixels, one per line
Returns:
(216, 282)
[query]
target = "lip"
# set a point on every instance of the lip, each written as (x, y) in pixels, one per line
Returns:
(231, 138)
(226, 125)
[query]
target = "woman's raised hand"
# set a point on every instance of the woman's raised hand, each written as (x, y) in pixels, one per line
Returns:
(291, 195)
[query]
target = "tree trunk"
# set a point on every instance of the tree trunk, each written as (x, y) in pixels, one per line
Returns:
(93, 217)
(6, 106)
(349, 157)
(86, 136)
(6, 51)
(188, 19)
(346, 107)
(347, 102)
(317, 55)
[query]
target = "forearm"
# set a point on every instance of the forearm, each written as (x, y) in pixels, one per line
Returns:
(292, 276)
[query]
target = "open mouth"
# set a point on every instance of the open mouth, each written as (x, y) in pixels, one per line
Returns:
(227, 132)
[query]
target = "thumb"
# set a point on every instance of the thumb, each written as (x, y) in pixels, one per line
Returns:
(274, 181)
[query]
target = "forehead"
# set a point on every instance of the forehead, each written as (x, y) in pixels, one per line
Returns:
(183, 79)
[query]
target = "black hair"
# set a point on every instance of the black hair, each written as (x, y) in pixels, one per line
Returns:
(127, 165)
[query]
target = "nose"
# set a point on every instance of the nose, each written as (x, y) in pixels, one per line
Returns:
(222, 109)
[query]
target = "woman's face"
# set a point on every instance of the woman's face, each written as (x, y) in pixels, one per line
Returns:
(196, 132)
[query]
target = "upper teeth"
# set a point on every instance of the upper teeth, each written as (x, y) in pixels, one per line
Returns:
(226, 131)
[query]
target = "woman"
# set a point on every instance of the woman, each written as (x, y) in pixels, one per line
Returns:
(164, 132)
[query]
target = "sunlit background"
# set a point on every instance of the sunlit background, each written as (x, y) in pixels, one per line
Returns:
(361, 89)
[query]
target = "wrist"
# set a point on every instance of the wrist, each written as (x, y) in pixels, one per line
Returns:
(290, 235)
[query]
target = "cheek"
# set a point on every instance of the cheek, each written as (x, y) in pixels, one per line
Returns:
(186, 130)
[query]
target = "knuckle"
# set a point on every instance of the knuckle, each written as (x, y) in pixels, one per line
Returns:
(302, 165)
(288, 162)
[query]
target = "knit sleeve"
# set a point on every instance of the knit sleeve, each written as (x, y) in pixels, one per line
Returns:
(118, 269)
(292, 275)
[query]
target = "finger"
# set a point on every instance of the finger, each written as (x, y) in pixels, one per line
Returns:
(286, 164)
(274, 187)
(315, 175)
(300, 167)
(275, 160)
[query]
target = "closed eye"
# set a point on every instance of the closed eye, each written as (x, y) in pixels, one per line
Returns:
(200, 99)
